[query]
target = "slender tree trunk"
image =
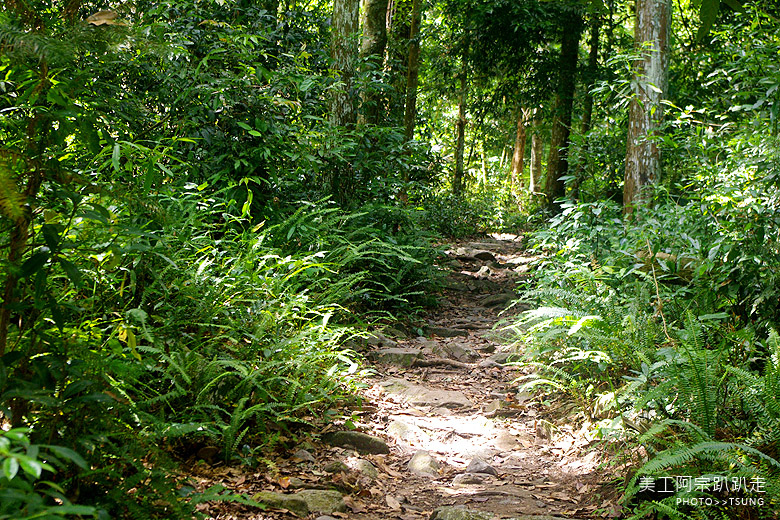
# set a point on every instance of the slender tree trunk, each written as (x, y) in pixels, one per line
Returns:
(413, 71)
(518, 155)
(537, 152)
(593, 63)
(372, 52)
(557, 161)
(344, 25)
(399, 26)
(587, 109)
(643, 157)
(460, 128)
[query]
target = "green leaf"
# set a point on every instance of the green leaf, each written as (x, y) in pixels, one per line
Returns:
(89, 135)
(34, 264)
(73, 510)
(30, 466)
(71, 270)
(51, 235)
(115, 156)
(57, 316)
(734, 4)
(10, 468)
(67, 453)
(707, 15)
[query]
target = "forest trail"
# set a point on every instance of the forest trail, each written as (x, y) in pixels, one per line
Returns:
(450, 437)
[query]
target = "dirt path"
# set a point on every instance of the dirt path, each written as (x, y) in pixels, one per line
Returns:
(448, 437)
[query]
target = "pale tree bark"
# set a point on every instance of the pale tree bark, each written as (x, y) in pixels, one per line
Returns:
(344, 24)
(518, 155)
(643, 157)
(557, 160)
(460, 131)
(372, 50)
(537, 152)
(413, 71)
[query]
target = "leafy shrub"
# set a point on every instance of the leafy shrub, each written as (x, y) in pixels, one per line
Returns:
(23, 495)
(492, 209)
(635, 325)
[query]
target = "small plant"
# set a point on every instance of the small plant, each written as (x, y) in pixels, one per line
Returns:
(25, 492)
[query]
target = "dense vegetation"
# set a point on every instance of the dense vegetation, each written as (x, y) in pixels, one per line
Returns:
(203, 201)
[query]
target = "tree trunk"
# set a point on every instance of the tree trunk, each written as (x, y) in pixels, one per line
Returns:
(590, 77)
(372, 52)
(537, 152)
(413, 71)
(557, 161)
(343, 51)
(519, 152)
(460, 128)
(587, 109)
(643, 157)
(399, 26)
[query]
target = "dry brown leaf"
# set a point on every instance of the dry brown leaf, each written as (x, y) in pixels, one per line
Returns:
(284, 482)
(355, 505)
(394, 504)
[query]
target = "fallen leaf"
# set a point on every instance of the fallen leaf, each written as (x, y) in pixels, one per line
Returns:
(393, 503)
(355, 505)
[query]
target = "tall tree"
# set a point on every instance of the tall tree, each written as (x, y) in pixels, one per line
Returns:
(651, 77)
(537, 152)
(372, 51)
(518, 155)
(460, 125)
(557, 160)
(413, 70)
(399, 28)
(587, 109)
(343, 111)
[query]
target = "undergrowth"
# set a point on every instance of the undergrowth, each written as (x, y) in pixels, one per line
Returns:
(189, 328)
(663, 329)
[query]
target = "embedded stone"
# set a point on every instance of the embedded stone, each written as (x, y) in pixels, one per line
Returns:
(377, 339)
(402, 357)
(446, 332)
(460, 513)
(364, 467)
(422, 463)
(336, 467)
(485, 256)
(417, 395)
(359, 441)
(291, 503)
(467, 479)
(303, 456)
(459, 352)
(322, 501)
(480, 466)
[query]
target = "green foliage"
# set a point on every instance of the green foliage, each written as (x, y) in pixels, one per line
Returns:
(162, 280)
(489, 208)
(636, 326)
(23, 493)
